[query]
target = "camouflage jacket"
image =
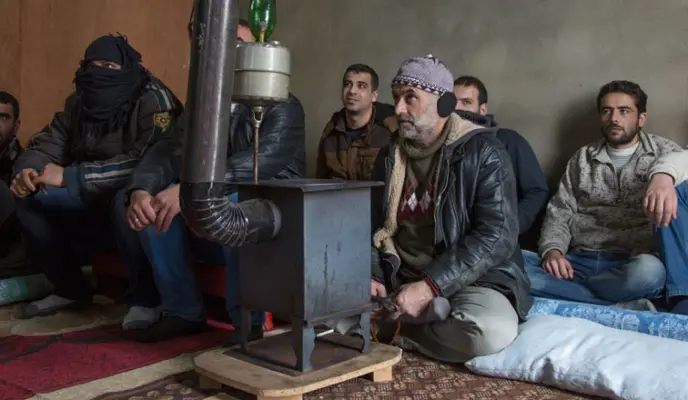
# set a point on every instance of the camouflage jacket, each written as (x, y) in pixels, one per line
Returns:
(95, 166)
(343, 157)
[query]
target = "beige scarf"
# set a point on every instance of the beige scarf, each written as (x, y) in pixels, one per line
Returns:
(383, 239)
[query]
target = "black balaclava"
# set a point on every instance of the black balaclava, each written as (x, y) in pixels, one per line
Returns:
(107, 96)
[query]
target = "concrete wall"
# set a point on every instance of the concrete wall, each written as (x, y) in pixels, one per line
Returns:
(542, 60)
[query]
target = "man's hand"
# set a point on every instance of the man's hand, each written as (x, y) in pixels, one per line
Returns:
(378, 289)
(140, 213)
(556, 264)
(661, 204)
(167, 205)
(413, 299)
(22, 184)
(52, 175)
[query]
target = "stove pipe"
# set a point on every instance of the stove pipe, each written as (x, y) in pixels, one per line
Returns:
(203, 194)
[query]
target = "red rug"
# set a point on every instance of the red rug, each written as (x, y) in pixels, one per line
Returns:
(40, 364)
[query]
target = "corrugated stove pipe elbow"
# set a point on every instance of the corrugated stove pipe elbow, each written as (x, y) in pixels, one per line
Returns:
(203, 195)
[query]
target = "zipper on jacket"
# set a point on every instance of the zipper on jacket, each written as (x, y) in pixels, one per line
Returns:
(439, 229)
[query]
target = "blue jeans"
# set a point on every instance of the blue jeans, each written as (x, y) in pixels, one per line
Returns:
(62, 232)
(672, 241)
(599, 277)
(169, 253)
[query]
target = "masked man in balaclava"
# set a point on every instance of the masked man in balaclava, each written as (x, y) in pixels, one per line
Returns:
(66, 179)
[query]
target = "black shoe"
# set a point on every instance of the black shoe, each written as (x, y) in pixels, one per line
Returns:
(255, 333)
(169, 327)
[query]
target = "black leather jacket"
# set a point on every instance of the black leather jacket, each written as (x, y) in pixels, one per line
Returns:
(282, 153)
(476, 230)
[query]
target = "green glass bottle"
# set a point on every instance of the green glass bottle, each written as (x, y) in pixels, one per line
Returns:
(263, 16)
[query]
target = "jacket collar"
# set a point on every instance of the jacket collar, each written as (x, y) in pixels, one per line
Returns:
(645, 146)
(339, 122)
(11, 150)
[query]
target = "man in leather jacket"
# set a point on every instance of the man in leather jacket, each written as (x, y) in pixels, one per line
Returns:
(150, 206)
(445, 251)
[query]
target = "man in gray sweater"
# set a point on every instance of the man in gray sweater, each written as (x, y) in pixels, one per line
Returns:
(597, 245)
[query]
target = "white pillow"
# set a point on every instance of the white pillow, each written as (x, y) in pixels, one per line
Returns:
(586, 357)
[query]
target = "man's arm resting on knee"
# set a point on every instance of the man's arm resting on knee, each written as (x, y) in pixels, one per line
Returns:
(159, 167)
(48, 146)
(493, 235)
(673, 164)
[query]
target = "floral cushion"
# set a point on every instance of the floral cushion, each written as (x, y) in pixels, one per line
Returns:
(660, 324)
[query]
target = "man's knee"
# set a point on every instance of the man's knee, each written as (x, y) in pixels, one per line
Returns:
(492, 334)
(483, 321)
(643, 274)
(457, 341)
(682, 194)
(531, 258)
(538, 277)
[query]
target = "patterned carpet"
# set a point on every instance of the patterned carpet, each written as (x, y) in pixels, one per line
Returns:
(416, 378)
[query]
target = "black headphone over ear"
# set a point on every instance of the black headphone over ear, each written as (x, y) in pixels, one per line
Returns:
(446, 104)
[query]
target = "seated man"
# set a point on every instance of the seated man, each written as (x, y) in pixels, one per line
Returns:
(448, 226)
(67, 177)
(667, 207)
(531, 183)
(9, 151)
(165, 242)
(596, 244)
(355, 134)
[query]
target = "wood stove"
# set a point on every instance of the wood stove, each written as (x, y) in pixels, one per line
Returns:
(317, 268)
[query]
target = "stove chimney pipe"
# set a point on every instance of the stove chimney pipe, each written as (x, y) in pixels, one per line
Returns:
(203, 194)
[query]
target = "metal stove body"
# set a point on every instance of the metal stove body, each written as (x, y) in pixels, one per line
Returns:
(304, 244)
(317, 268)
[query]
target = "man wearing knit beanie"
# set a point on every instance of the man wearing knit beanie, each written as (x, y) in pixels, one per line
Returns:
(447, 227)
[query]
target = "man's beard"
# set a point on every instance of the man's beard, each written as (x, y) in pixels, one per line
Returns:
(415, 130)
(5, 140)
(620, 140)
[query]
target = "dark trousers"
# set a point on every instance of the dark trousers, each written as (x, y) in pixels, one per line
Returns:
(7, 203)
(61, 234)
(9, 229)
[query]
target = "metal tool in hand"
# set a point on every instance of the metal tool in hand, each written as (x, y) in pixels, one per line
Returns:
(387, 303)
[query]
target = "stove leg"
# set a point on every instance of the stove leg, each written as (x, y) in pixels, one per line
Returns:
(364, 324)
(245, 328)
(303, 337)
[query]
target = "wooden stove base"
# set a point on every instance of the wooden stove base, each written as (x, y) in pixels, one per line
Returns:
(218, 367)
